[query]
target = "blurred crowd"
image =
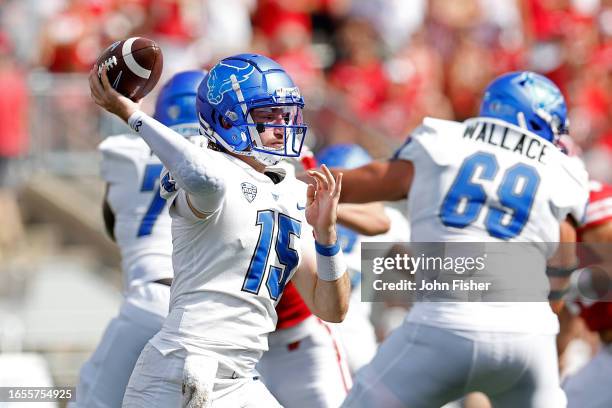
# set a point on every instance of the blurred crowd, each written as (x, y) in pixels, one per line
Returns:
(371, 69)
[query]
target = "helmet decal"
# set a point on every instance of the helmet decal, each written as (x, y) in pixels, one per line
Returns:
(528, 100)
(543, 95)
(219, 81)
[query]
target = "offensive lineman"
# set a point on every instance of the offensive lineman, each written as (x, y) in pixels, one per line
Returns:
(137, 218)
(495, 178)
(238, 234)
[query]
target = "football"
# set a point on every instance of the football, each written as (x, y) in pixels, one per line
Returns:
(134, 66)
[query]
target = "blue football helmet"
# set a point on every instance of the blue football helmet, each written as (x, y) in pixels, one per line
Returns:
(243, 96)
(348, 156)
(528, 100)
(176, 102)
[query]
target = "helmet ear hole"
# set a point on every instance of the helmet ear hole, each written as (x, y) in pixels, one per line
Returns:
(535, 126)
(224, 123)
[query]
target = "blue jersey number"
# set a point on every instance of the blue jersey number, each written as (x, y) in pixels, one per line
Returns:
(149, 183)
(466, 197)
(287, 256)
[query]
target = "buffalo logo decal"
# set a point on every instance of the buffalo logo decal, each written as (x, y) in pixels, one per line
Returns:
(219, 80)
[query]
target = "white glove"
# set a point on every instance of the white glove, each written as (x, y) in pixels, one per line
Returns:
(199, 374)
(581, 293)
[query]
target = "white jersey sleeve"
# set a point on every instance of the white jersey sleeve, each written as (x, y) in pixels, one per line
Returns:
(571, 189)
(142, 222)
(428, 137)
(168, 185)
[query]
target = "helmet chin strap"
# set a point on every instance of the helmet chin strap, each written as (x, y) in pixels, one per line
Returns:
(266, 159)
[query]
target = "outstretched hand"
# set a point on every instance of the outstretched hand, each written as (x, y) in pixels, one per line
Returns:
(107, 98)
(322, 204)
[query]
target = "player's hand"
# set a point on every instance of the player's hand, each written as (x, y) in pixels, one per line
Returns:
(107, 98)
(322, 204)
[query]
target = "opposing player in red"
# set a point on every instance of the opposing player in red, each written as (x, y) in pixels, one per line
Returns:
(589, 387)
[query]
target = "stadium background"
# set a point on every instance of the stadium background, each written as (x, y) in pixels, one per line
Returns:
(370, 71)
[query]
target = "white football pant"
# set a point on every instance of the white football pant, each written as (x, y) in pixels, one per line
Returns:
(590, 386)
(307, 372)
(426, 366)
(156, 382)
(104, 377)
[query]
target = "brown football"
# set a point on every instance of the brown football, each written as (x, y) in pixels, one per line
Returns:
(134, 66)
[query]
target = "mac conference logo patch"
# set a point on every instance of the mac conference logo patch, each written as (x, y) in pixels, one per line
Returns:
(249, 190)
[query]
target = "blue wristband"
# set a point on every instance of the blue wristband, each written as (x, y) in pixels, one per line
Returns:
(327, 250)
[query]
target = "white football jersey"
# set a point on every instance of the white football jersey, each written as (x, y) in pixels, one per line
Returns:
(487, 182)
(231, 268)
(142, 222)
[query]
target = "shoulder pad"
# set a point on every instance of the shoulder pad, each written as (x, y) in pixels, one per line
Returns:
(122, 144)
(121, 154)
(435, 138)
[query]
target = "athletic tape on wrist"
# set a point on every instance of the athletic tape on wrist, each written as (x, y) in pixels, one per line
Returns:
(330, 262)
(555, 295)
(560, 272)
(135, 121)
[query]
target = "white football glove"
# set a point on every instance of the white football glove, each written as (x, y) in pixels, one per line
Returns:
(199, 374)
(581, 293)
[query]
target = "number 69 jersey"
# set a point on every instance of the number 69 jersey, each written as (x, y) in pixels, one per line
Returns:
(488, 181)
(231, 268)
(142, 222)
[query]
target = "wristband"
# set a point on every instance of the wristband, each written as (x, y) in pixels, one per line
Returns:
(560, 272)
(330, 262)
(135, 120)
(327, 250)
(555, 295)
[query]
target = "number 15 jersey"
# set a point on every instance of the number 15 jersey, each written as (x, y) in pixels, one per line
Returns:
(231, 268)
